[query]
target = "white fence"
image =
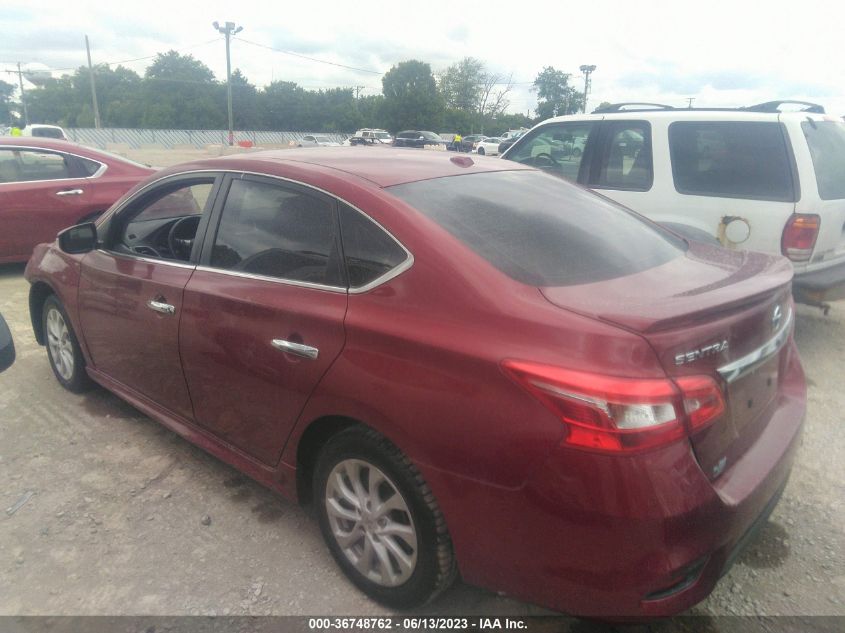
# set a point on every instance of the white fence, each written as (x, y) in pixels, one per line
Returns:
(140, 138)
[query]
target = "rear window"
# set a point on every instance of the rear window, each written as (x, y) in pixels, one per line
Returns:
(827, 147)
(541, 230)
(731, 159)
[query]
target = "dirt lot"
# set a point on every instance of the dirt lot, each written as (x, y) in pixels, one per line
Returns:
(115, 521)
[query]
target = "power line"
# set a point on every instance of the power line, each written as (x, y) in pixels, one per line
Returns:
(313, 59)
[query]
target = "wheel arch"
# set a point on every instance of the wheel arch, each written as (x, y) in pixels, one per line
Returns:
(311, 442)
(38, 293)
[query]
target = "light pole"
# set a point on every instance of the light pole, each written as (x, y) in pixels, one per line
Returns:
(229, 30)
(587, 70)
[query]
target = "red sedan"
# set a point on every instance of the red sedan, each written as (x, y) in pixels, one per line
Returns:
(466, 364)
(47, 185)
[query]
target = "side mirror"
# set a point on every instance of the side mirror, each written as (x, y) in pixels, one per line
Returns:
(81, 238)
(7, 346)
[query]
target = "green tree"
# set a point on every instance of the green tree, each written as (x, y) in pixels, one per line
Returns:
(6, 103)
(245, 110)
(461, 84)
(180, 92)
(555, 96)
(411, 98)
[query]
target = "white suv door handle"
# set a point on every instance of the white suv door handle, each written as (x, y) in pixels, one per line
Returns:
(70, 192)
(306, 351)
(161, 306)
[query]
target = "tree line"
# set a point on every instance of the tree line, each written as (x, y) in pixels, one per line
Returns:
(180, 92)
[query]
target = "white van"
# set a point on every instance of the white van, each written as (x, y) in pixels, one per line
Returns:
(41, 130)
(752, 178)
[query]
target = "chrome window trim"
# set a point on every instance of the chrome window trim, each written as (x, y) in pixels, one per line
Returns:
(743, 366)
(146, 260)
(279, 280)
(378, 281)
(100, 171)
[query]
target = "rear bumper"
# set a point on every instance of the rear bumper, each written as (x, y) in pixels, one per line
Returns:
(827, 284)
(623, 538)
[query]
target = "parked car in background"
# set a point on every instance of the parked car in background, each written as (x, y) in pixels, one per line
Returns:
(753, 178)
(509, 138)
(7, 346)
(417, 138)
(469, 142)
(47, 185)
(453, 360)
(311, 140)
(39, 130)
(368, 136)
(488, 146)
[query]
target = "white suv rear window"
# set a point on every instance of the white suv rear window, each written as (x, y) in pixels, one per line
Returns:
(731, 159)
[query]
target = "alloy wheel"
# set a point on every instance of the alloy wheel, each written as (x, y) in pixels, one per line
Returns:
(371, 522)
(61, 347)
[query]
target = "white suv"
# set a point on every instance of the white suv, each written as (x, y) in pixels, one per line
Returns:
(752, 178)
(368, 136)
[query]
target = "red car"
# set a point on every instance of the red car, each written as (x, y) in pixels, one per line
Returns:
(47, 185)
(466, 364)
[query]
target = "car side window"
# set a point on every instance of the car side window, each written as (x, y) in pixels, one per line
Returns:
(163, 224)
(625, 157)
(557, 148)
(276, 231)
(32, 165)
(368, 250)
(89, 167)
(731, 159)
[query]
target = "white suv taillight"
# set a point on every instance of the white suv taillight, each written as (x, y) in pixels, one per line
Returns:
(799, 236)
(620, 415)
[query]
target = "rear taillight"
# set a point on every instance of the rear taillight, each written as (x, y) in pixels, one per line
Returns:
(799, 236)
(620, 415)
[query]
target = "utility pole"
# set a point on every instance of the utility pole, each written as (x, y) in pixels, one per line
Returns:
(229, 30)
(689, 102)
(97, 123)
(358, 89)
(23, 96)
(587, 70)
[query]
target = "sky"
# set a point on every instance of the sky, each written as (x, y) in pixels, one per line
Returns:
(719, 53)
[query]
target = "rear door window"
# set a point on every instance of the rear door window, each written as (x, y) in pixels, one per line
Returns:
(624, 160)
(33, 165)
(540, 230)
(826, 140)
(732, 159)
(557, 148)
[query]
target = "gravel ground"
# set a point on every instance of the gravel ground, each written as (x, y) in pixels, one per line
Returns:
(124, 517)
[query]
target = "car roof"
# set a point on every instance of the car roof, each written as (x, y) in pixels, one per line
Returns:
(41, 142)
(688, 115)
(382, 167)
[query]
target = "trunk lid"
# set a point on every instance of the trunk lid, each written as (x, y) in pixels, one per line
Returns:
(707, 311)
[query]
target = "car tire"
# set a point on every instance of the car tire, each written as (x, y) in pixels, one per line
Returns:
(402, 556)
(480, 151)
(63, 351)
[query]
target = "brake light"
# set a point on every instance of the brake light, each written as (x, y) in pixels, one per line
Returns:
(620, 415)
(799, 236)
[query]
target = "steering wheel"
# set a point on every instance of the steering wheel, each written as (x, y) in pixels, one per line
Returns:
(180, 239)
(544, 160)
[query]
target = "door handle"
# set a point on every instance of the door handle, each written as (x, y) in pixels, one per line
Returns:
(161, 306)
(70, 192)
(306, 351)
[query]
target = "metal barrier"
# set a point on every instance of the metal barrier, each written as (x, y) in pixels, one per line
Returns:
(140, 138)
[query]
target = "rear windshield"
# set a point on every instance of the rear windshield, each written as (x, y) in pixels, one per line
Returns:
(731, 159)
(827, 147)
(541, 230)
